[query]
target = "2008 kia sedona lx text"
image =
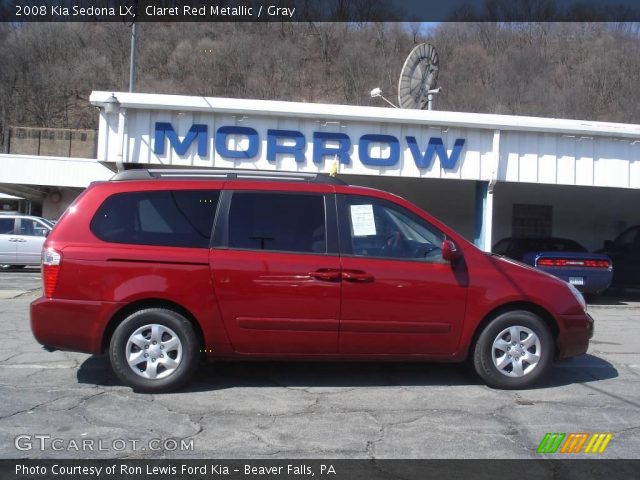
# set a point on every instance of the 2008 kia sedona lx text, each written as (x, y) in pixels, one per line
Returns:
(162, 267)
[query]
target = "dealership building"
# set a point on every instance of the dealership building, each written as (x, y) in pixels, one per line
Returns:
(487, 176)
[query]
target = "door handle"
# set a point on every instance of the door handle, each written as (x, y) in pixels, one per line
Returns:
(326, 274)
(357, 276)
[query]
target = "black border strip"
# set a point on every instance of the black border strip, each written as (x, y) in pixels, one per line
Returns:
(318, 10)
(296, 469)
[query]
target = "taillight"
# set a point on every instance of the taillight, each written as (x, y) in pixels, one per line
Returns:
(597, 263)
(51, 260)
(572, 262)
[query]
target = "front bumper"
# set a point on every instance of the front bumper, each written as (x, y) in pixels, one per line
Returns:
(575, 332)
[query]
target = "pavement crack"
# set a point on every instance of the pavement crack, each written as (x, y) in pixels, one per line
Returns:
(10, 357)
(197, 424)
(27, 293)
(512, 433)
(85, 400)
(626, 430)
(31, 409)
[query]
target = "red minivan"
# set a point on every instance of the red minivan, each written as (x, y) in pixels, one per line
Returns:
(160, 268)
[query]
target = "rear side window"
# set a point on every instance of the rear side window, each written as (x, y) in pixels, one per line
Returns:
(562, 245)
(551, 245)
(277, 222)
(179, 218)
(6, 225)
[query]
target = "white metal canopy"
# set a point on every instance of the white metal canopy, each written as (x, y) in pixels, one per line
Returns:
(495, 147)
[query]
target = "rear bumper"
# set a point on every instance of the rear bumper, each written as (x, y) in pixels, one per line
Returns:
(575, 332)
(69, 324)
(595, 280)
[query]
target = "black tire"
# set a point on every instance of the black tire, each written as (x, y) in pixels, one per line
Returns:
(483, 354)
(169, 323)
(592, 296)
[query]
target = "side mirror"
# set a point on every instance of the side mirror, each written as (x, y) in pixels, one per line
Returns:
(450, 251)
(608, 245)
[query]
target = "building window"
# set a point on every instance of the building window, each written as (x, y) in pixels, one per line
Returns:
(531, 220)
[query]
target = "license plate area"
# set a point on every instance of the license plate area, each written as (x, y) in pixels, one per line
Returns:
(576, 281)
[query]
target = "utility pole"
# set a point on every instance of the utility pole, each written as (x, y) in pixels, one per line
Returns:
(132, 66)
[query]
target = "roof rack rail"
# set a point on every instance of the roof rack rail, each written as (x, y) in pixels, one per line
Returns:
(173, 174)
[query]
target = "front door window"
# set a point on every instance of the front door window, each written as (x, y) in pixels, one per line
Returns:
(379, 229)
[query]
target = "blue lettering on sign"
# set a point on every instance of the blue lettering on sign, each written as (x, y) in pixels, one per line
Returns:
(394, 150)
(436, 146)
(221, 142)
(320, 149)
(198, 133)
(165, 130)
(273, 148)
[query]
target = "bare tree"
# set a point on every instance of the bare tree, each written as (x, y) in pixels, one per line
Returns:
(573, 70)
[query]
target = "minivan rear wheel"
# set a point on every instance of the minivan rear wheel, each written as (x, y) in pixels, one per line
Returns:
(514, 350)
(154, 350)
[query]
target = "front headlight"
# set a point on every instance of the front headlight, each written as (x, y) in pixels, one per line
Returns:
(578, 295)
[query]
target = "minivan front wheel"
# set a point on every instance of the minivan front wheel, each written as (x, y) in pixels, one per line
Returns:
(154, 350)
(514, 350)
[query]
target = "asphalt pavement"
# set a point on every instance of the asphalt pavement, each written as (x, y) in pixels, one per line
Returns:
(70, 405)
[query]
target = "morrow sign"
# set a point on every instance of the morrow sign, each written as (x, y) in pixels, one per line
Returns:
(325, 145)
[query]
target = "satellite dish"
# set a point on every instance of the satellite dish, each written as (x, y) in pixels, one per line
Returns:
(419, 75)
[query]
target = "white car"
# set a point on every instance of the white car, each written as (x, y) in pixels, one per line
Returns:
(21, 239)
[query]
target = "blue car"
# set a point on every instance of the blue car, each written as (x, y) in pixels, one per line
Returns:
(566, 259)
